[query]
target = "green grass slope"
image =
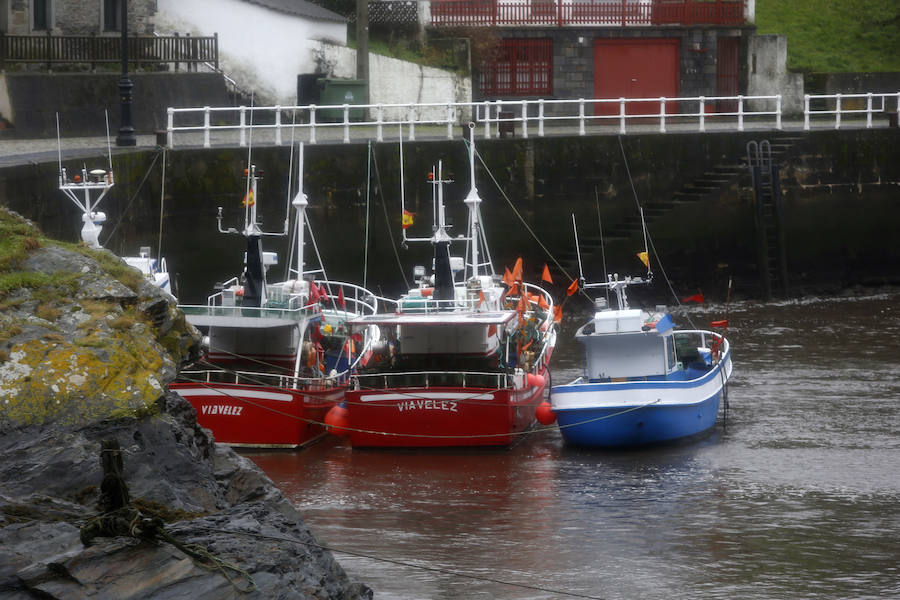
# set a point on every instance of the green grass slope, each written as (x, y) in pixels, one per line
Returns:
(835, 36)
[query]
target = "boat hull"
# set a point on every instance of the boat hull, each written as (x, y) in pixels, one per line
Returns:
(260, 416)
(629, 414)
(440, 416)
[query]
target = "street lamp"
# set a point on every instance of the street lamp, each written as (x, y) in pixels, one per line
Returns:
(126, 131)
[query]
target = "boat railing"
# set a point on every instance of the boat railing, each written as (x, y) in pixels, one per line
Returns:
(428, 304)
(361, 300)
(715, 342)
(214, 376)
(433, 379)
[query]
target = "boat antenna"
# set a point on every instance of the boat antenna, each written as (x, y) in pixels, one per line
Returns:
(577, 248)
(108, 147)
(368, 189)
(602, 244)
(58, 147)
(473, 201)
(402, 186)
(249, 153)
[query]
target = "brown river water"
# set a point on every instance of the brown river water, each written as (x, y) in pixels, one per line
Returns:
(795, 495)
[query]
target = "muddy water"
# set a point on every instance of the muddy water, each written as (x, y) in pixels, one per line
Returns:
(795, 495)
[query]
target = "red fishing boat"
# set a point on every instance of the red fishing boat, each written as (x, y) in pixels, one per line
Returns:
(463, 358)
(278, 356)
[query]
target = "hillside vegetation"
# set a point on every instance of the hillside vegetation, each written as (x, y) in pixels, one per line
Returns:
(835, 36)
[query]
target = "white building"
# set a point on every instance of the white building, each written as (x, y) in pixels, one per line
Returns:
(263, 44)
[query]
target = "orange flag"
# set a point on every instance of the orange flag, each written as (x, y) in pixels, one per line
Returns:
(507, 277)
(698, 298)
(572, 288)
(545, 276)
(517, 270)
(543, 303)
(480, 299)
(557, 313)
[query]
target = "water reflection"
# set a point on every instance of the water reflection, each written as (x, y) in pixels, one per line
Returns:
(798, 495)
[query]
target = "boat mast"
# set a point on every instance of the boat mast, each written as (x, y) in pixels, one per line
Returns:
(443, 276)
(476, 234)
(300, 202)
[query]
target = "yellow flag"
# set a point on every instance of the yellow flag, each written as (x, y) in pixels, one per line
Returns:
(408, 219)
(645, 258)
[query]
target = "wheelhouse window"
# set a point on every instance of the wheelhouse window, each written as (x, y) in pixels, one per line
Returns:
(41, 15)
(521, 67)
(112, 15)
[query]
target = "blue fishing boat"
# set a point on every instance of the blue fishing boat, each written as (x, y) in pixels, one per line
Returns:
(644, 381)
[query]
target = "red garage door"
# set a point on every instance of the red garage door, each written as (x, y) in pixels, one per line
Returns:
(638, 68)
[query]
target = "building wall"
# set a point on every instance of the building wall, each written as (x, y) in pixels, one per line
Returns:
(79, 17)
(394, 81)
(573, 68)
(767, 72)
(263, 50)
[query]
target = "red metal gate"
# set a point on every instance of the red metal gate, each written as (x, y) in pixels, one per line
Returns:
(635, 68)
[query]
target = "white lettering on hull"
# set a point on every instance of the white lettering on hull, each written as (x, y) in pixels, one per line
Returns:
(221, 409)
(448, 405)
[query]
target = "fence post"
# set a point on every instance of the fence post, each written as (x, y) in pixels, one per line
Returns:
(346, 123)
(379, 119)
(47, 49)
(581, 116)
(541, 117)
(837, 111)
(312, 123)
(778, 124)
(487, 119)
(622, 115)
(740, 113)
(206, 127)
(170, 123)
(524, 118)
(243, 125)
(869, 110)
(277, 125)
(451, 119)
(806, 112)
(412, 123)
(216, 48)
(702, 114)
(662, 114)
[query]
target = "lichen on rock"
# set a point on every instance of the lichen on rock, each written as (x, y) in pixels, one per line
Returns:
(84, 336)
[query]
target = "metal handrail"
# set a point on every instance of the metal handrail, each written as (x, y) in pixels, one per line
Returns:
(579, 116)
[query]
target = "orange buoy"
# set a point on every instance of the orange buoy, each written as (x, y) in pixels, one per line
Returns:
(535, 380)
(337, 420)
(545, 414)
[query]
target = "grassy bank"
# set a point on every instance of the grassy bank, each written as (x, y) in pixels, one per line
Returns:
(835, 36)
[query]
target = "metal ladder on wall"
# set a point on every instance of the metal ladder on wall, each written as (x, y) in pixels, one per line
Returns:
(771, 249)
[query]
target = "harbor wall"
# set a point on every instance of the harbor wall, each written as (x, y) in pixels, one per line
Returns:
(840, 193)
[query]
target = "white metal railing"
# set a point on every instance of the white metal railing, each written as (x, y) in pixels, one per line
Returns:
(598, 116)
(838, 106)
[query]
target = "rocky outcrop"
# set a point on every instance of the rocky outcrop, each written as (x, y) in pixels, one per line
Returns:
(87, 348)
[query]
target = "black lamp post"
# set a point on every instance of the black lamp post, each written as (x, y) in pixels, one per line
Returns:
(126, 131)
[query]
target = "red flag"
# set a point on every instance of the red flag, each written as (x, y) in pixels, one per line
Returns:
(323, 294)
(542, 302)
(722, 324)
(507, 277)
(573, 287)
(698, 298)
(341, 301)
(313, 292)
(545, 276)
